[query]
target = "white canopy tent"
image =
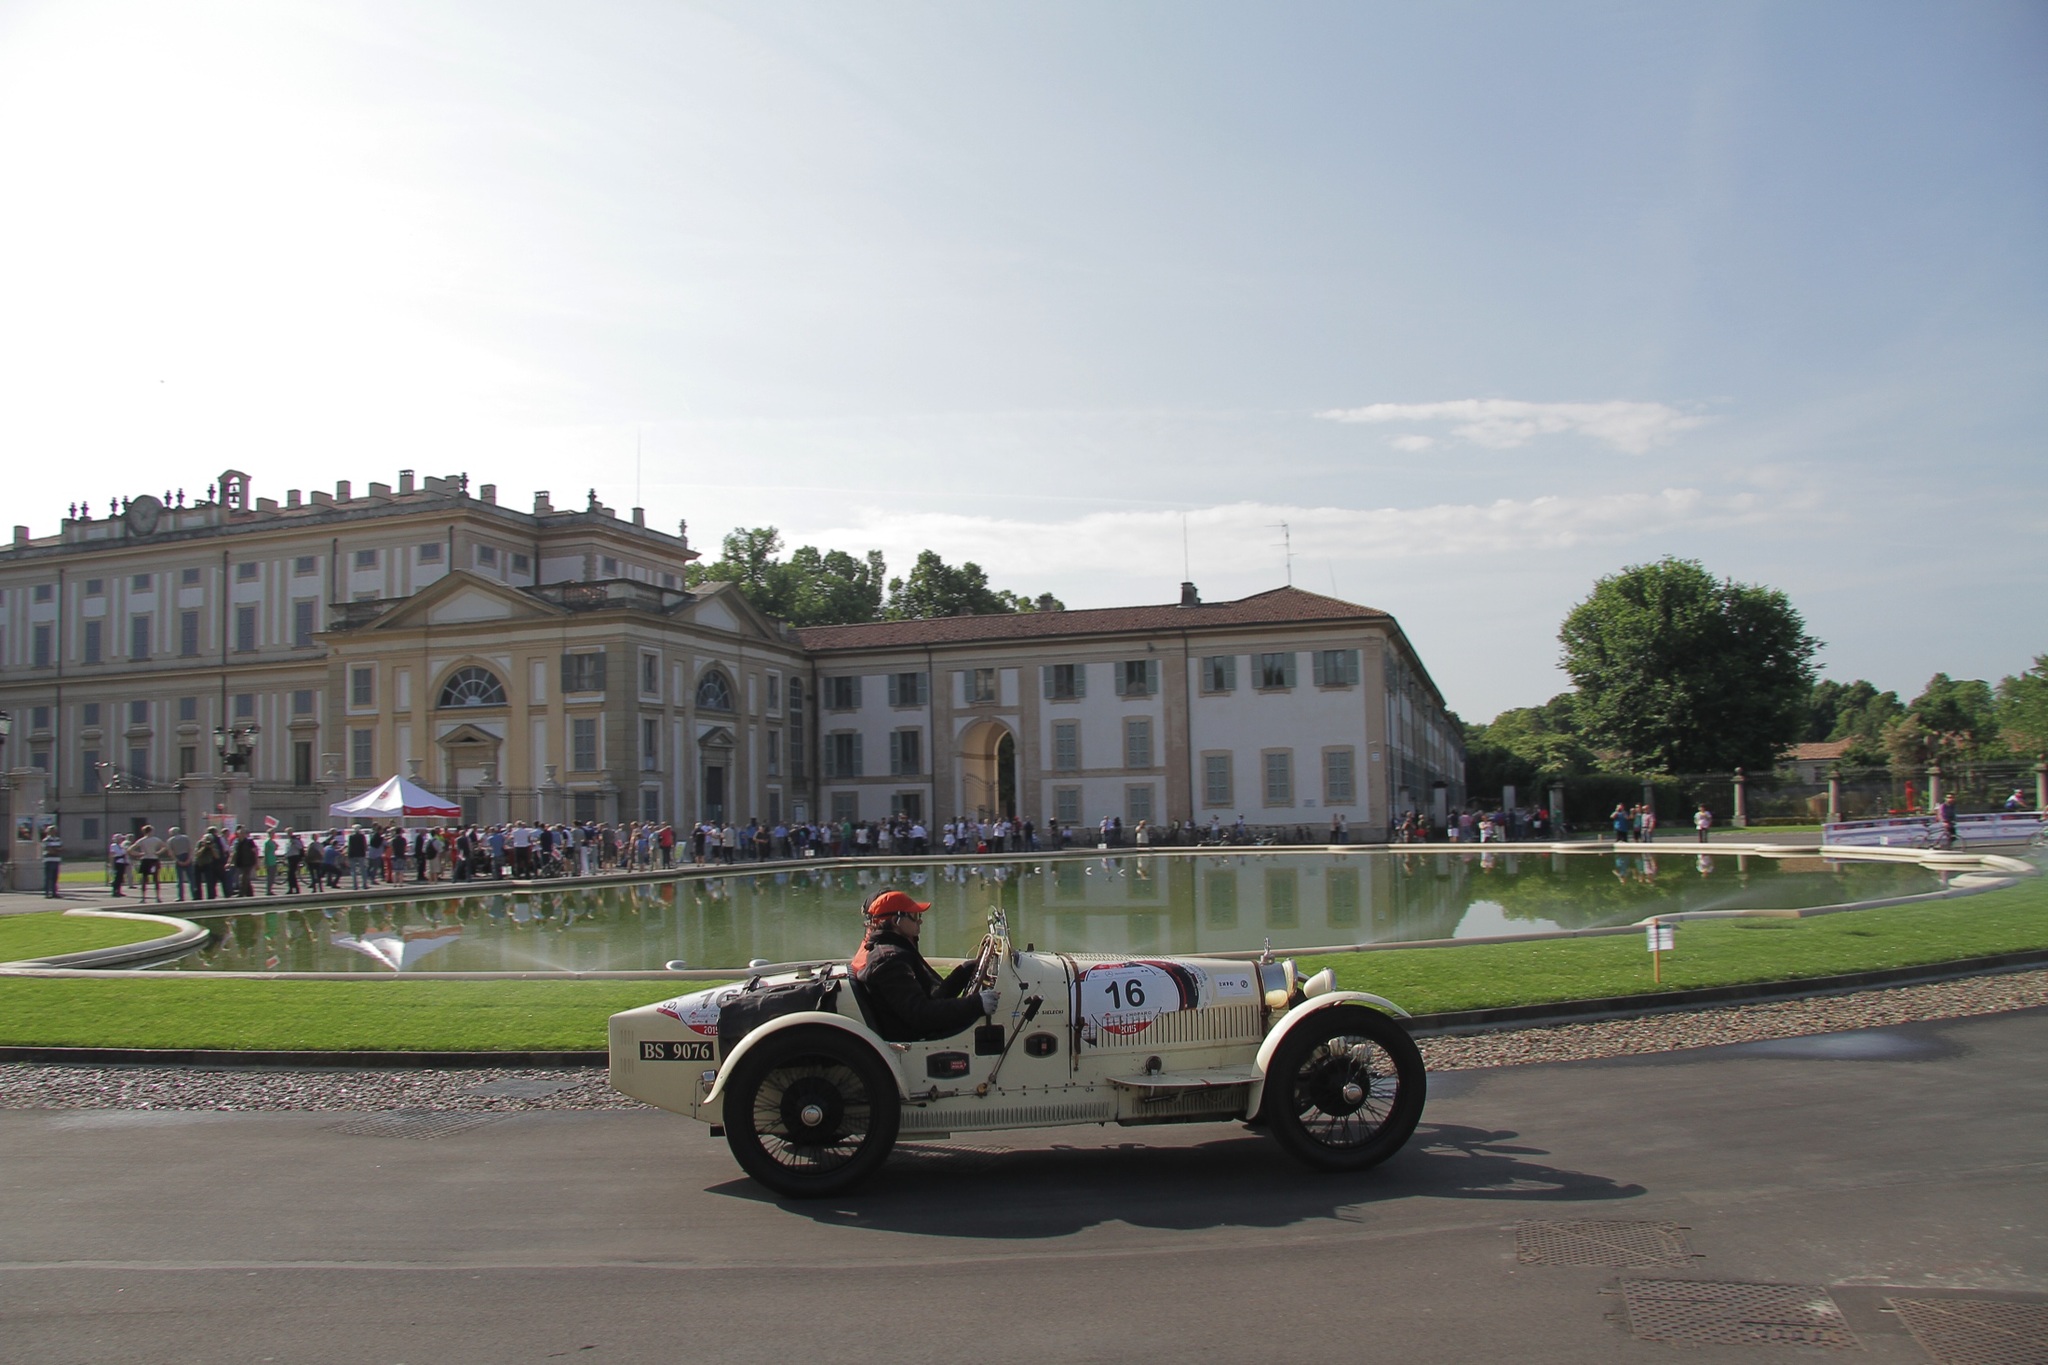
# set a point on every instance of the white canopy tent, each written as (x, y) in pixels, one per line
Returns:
(397, 799)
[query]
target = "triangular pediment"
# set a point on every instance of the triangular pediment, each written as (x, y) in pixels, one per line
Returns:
(461, 598)
(721, 606)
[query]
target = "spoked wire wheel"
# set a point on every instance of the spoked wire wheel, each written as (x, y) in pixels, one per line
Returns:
(1345, 1089)
(811, 1112)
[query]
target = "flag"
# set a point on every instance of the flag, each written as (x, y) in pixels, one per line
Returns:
(270, 822)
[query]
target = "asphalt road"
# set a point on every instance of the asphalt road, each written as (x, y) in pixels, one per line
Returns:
(1898, 1163)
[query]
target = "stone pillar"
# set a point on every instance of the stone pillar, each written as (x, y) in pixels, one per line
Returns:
(551, 794)
(491, 798)
(235, 792)
(26, 790)
(2041, 785)
(1556, 809)
(1834, 795)
(1741, 817)
(1933, 785)
(201, 803)
(333, 787)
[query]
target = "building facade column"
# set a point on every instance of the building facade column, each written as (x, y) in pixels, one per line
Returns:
(1741, 817)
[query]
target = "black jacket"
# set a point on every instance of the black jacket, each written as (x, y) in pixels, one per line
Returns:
(907, 998)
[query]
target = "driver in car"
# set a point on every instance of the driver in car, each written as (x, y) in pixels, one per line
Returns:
(910, 1002)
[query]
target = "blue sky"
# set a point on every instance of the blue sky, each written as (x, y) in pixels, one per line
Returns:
(1482, 301)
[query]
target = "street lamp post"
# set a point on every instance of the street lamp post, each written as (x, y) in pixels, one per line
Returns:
(236, 745)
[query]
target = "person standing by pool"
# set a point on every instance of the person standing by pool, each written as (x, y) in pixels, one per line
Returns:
(1702, 821)
(148, 853)
(53, 861)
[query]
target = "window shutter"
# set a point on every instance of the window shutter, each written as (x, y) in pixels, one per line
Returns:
(1080, 680)
(895, 692)
(597, 671)
(1349, 658)
(1151, 677)
(856, 694)
(924, 689)
(1045, 677)
(856, 764)
(1319, 671)
(1120, 674)
(1287, 668)
(895, 751)
(568, 672)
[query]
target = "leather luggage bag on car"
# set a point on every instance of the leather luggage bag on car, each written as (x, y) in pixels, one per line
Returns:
(757, 1004)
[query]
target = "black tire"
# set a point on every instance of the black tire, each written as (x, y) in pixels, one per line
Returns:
(1345, 1089)
(811, 1111)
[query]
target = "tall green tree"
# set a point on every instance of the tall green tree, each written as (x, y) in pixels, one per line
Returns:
(1685, 673)
(1952, 718)
(1856, 712)
(2022, 708)
(936, 588)
(812, 587)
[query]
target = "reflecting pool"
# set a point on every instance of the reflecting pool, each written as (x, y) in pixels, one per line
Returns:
(1158, 903)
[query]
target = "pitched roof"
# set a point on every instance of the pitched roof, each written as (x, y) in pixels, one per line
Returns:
(1819, 752)
(1280, 606)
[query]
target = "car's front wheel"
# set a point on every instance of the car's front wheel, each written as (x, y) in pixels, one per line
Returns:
(1344, 1089)
(810, 1112)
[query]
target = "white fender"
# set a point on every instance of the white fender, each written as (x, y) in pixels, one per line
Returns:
(1292, 1019)
(789, 1021)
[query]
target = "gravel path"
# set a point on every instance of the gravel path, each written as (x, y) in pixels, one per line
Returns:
(504, 1089)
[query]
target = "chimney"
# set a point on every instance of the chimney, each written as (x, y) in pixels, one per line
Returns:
(21, 535)
(541, 503)
(291, 498)
(404, 482)
(488, 492)
(1188, 596)
(639, 516)
(341, 490)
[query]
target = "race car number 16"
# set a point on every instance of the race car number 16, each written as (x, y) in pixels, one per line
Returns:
(1131, 996)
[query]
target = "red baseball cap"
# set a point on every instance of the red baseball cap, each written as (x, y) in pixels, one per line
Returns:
(895, 903)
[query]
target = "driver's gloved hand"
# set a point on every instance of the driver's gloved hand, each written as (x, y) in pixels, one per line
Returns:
(989, 1001)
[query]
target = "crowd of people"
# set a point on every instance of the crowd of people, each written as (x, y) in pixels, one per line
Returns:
(226, 861)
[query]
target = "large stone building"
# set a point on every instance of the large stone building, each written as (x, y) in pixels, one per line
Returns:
(243, 655)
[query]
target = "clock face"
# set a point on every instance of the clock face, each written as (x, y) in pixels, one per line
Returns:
(143, 514)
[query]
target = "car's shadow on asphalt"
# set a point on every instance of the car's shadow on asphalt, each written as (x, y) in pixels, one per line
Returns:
(961, 1189)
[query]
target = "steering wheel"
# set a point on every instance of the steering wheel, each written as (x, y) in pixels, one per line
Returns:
(994, 944)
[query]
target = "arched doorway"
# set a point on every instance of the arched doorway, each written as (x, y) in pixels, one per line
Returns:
(988, 771)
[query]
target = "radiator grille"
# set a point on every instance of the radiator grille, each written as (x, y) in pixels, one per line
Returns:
(1217, 1024)
(1009, 1116)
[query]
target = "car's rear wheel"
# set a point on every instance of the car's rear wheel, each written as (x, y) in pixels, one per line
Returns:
(810, 1112)
(1344, 1089)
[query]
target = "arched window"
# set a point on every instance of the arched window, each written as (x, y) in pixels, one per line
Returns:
(472, 687)
(714, 693)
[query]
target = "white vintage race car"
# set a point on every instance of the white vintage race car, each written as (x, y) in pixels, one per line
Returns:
(789, 1069)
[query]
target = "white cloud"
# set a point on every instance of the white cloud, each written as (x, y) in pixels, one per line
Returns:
(1503, 423)
(1239, 543)
(1411, 441)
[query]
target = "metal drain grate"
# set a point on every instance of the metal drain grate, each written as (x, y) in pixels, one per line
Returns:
(1593, 1242)
(420, 1125)
(523, 1090)
(1977, 1331)
(1724, 1313)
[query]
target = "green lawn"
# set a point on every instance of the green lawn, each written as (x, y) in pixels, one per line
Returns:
(49, 932)
(1709, 953)
(378, 1013)
(400, 1014)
